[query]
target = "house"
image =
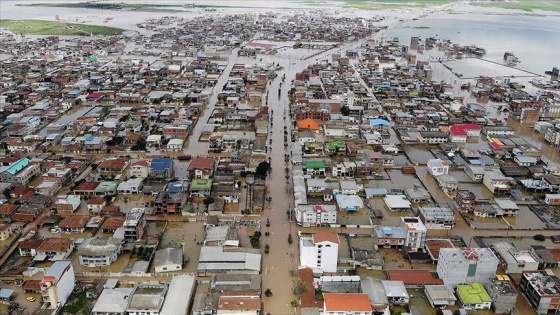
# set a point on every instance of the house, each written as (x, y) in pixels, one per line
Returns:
(57, 284)
(139, 169)
(466, 265)
(315, 168)
(541, 290)
(315, 215)
(168, 259)
(473, 296)
(349, 203)
(19, 173)
(448, 183)
(47, 188)
(522, 160)
(131, 186)
(514, 260)
(161, 168)
(320, 251)
(54, 249)
(503, 294)
(147, 299)
(410, 235)
(465, 200)
(440, 295)
(5, 231)
(395, 292)
(346, 303)
(134, 224)
(242, 303)
(376, 294)
(397, 202)
(496, 182)
(552, 199)
(172, 199)
(437, 217)
(99, 251)
(308, 124)
(110, 225)
(200, 187)
(432, 137)
(175, 145)
(112, 301)
(202, 168)
(154, 140)
(74, 223)
(506, 207)
(461, 132)
(67, 204)
(28, 248)
(7, 210)
(437, 167)
(113, 166)
(95, 205)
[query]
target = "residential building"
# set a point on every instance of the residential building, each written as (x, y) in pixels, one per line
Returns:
(376, 294)
(99, 251)
(315, 168)
(503, 294)
(74, 223)
(491, 131)
(172, 199)
(466, 265)
(112, 301)
(349, 203)
(496, 183)
(19, 173)
(175, 145)
(131, 186)
(461, 132)
(134, 224)
(113, 166)
(465, 200)
(5, 231)
(315, 215)
(346, 303)
(139, 169)
(242, 303)
(552, 135)
(161, 168)
(440, 295)
(432, 137)
(541, 290)
(146, 299)
(473, 296)
(47, 188)
(54, 249)
(168, 259)
(320, 251)
(514, 260)
(202, 168)
(395, 291)
(552, 199)
(95, 205)
(441, 218)
(437, 167)
(397, 202)
(57, 284)
(67, 204)
(410, 235)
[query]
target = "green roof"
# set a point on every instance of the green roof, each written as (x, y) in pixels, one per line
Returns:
(315, 164)
(106, 186)
(334, 145)
(201, 184)
(473, 294)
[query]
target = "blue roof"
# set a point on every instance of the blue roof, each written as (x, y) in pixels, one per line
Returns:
(177, 186)
(74, 92)
(57, 269)
(161, 164)
(378, 121)
(17, 166)
(5, 294)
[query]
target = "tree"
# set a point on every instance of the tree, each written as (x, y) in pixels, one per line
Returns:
(457, 312)
(299, 287)
(439, 311)
(208, 201)
(262, 170)
(344, 110)
(294, 303)
(290, 240)
(268, 293)
(266, 249)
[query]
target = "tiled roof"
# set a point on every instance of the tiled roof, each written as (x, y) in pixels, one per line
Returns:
(74, 221)
(325, 236)
(55, 245)
(356, 302)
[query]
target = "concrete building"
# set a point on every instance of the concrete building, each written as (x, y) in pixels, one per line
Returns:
(346, 303)
(134, 224)
(415, 233)
(316, 215)
(514, 260)
(112, 301)
(473, 296)
(320, 251)
(168, 259)
(437, 167)
(395, 291)
(466, 265)
(5, 232)
(541, 290)
(19, 173)
(146, 299)
(179, 295)
(99, 251)
(161, 168)
(438, 218)
(376, 293)
(440, 295)
(217, 259)
(503, 294)
(67, 204)
(131, 186)
(139, 169)
(239, 303)
(57, 284)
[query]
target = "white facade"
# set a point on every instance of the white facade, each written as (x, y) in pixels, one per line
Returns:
(58, 283)
(466, 265)
(437, 167)
(320, 251)
(139, 170)
(311, 215)
(175, 145)
(415, 233)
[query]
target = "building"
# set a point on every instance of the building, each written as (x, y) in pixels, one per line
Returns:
(315, 215)
(376, 294)
(139, 169)
(161, 168)
(465, 200)
(57, 284)
(217, 259)
(320, 251)
(134, 224)
(131, 186)
(395, 291)
(54, 249)
(466, 265)
(440, 295)
(179, 295)
(346, 303)
(432, 137)
(112, 301)
(168, 259)
(99, 251)
(541, 290)
(95, 205)
(146, 299)
(172, 199)
(47, 188)
(19, 173)
(409, 235)
(5, 231)
(67, 204)
(473, 296)
(552, 199)
(514, 260)
(503, 294)
(74, 223)
(202, 168)
(397, 202)
(496, 182)
(439, 218)
(552, 135)
(239, 303)
(437, 167)
(349, 203)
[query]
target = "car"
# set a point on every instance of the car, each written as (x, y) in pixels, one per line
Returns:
(31, 299)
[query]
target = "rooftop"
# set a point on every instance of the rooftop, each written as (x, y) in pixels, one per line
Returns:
(353, 302)
(147, 297)
(473, 293)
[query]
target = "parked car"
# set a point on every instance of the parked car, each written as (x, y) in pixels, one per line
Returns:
(31, 299)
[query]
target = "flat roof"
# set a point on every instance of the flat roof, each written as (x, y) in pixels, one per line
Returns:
(397, 201)
(413, 277)
(473, 293)
(112, 300)
(179, 295)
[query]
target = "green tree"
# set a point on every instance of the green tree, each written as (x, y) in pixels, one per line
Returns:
(268, 293)
(290, 239)
(262, 170)
(439, 311)
(344, 110)
(208, 201)
(266, 249)
(294, 303)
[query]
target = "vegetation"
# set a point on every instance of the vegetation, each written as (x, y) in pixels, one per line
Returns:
(262, 170)
(40, 27)
(80, 305)
(539, 237)
(290, 239)
(525, 5)
(266, 249)
(268, 293)
(256, 239)
(299, 287)
(294, 303)
(103, 6)
(208, 201)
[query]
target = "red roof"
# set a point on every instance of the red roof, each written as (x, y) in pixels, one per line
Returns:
(461, 129)
(344, 302)
(7, 209)
(413, 277)
(325, 236)
(307, 299)
(202, 163)
(495, 145)
(435, 245)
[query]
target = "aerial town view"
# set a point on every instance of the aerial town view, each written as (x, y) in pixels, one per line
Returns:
(313, 157)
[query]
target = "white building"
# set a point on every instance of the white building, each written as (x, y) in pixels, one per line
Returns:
(514, 260)
(58, 283)
(320, 251)
(312, 215)
(437, 167)
(168, 259)
(466, 265)
(146, 299)
(131, 186)
(112, 302)
(347, 304)
(99, 251)
(415, 233)
(139, 169)
(175, 145)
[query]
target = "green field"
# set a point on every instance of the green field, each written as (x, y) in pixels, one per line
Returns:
(526, 5)
(41, 27)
